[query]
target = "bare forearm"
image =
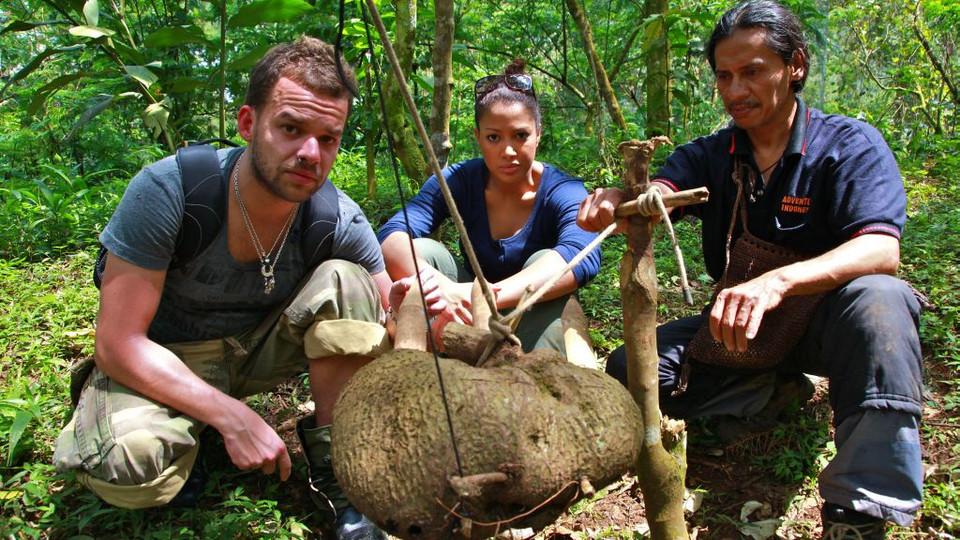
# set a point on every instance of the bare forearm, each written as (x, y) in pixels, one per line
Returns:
(397, 256)
(536, 274)
(738, 311)
(154, 371)
(864, 255)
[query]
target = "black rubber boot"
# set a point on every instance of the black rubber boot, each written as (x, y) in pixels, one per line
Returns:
(344, 521)
(790, 389)
(189, 495)
(841, 523)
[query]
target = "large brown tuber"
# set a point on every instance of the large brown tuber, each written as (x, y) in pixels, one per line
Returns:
(533, 433)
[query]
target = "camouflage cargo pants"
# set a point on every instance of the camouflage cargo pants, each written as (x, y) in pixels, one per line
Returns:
(135, 452)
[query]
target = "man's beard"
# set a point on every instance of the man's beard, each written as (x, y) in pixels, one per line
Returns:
(273, 185)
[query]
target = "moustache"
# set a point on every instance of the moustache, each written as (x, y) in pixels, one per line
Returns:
(300, 165)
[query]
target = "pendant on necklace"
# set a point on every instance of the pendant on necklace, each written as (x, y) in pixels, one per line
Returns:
(268, 281)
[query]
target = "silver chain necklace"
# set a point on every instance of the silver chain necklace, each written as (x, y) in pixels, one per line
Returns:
(266, 266)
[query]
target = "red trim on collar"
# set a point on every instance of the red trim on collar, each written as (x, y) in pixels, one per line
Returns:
(733, 142)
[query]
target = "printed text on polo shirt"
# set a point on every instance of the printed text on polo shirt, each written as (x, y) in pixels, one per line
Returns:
(799, 205)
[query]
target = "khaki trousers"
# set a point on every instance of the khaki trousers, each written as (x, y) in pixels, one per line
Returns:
(135, 452)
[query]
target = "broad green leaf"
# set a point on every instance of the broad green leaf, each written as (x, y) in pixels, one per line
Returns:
(176, 36)
(142, 74)
(461, 56)
(89, 114)
(91, 31)
(155, 116)
(248, 60)
(425, 82)
(61, 81)
(35, 63)
(652, 32)
(31, 65)
(91, 12)
(23, 26)
(20, 423)
(269, 11)
(44, 92)
(129, 55)
(183, 85)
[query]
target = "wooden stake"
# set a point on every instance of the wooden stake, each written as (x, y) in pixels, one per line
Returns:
(661, 474)
(411, 325)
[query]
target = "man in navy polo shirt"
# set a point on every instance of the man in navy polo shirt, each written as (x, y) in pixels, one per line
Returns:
(821, 184)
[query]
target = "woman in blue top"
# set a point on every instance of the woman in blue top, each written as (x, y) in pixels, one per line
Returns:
(520, 215)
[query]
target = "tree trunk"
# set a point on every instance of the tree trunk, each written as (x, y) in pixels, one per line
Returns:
(661, 466)
(442, 80)
(932, 56)
(603, 83)
(590, 121)
(370, 134)
(657, 83)
(405, 140)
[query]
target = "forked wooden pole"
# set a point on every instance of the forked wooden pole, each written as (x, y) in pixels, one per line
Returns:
(662, 464)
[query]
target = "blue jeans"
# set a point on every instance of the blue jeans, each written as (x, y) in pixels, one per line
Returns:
(863, 338)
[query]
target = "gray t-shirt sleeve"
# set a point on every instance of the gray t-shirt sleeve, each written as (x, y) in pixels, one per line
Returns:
(354, 239)
(143, 229)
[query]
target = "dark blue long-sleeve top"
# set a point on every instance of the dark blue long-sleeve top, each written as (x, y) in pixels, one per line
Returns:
(552, 223)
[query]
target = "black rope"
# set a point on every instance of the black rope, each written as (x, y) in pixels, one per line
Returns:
(337, 54)
(406, 222)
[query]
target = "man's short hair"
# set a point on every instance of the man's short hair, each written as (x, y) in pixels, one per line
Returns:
(308, 62)
(784, 33)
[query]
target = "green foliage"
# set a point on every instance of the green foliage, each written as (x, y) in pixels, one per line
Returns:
(802, 449)
(92, 90)
(59, 213)
(168, 58)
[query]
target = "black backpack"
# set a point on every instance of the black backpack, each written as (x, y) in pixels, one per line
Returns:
(205, 192)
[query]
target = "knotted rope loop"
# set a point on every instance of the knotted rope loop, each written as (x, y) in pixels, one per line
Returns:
(651, 203)
(654, 198)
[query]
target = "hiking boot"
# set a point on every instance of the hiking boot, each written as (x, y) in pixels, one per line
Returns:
(789, 389)
(841, 523)
(189, 495)
(344, 521)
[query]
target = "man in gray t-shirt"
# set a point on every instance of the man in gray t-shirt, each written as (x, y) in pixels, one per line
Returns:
(177, 347)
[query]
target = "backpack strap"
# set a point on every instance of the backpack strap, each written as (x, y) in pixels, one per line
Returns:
(318, 222)
(205, 192)
(204, 206)
(204, 201)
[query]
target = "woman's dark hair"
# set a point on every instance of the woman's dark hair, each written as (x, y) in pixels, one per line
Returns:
(308, 62)
(784, 33)
(504, 94)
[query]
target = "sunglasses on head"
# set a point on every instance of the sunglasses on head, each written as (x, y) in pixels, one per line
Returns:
(517, 82)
